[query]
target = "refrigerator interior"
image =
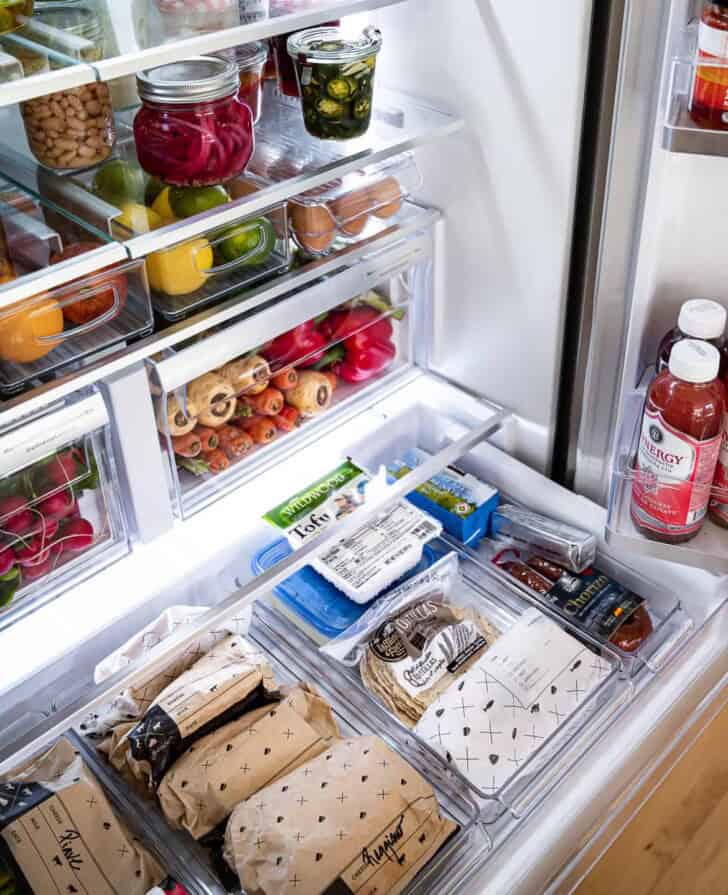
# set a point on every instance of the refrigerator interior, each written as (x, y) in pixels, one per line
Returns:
(490, 103)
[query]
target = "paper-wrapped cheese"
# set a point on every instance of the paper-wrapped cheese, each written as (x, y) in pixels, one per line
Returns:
(356, 819)
(230, 765)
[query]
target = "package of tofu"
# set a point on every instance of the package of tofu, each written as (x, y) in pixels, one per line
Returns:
(375, 556)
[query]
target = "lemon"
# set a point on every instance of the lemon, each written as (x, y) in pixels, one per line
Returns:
(119, 182)
(163, 208)
(136, 218)
(188, 201)
(180, 269)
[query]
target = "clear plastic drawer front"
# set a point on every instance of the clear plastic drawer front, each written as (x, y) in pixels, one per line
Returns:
(60, 516)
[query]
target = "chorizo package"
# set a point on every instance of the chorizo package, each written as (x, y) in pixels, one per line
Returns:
(62, 834)
(356, 819)
(233, 763)
(231, 679)
(594, 602)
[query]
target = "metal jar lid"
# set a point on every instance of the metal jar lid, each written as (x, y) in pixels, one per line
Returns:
(334, 45)
(199, 79)
(251, 55)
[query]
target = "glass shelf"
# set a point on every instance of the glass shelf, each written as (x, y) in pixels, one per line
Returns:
(106, 40)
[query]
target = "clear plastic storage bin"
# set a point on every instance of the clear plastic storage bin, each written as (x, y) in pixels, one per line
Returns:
(353, 207)
(60, 513)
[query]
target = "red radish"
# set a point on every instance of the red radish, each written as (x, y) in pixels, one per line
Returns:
(58, 506)
(63, 468)
(7, 560)
(31, 550)
(77, 535)
(45, 528)
(37, 570)
(15, 516)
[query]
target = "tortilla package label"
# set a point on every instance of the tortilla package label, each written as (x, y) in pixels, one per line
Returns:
(222, 685)
(230, 765)
(356, 819)
(504, 708)
(63, 835)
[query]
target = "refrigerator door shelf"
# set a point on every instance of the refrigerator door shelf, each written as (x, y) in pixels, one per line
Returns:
(707, 550)
(532, 777)
(56, 469)
(454, 863)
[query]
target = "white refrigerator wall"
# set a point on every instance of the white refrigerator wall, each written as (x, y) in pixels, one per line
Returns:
(516, 74)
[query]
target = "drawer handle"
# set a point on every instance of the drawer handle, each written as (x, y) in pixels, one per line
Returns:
(265, 243)
(85, 328)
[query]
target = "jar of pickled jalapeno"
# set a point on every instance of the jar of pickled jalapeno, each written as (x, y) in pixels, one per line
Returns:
(335, 74)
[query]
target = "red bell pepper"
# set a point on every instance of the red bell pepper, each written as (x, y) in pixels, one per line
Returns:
(302, 346)
(364, 343)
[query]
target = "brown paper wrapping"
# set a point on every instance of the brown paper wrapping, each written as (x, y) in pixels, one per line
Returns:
(223, 684)
(68, 839)
(230, 765)
(357, 818)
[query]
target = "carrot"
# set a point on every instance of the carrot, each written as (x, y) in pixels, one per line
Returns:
(216, 460)
(259, 428)
(208, 437)
(268, 403)
(333, 379)
(285, 379)
(188, 445)
(288, 419)
(234, 442)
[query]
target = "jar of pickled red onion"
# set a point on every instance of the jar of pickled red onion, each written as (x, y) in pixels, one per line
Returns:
(193, 129)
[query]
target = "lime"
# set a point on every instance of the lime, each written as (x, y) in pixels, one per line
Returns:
(255, 238)
(153, 188)
(136, 218)
(188, 201)
(119, 182)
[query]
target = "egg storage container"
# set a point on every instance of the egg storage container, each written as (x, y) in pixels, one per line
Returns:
(352, 207)
(53, 330)
(240, 397)
(512, 764)
(188, 18)
(448, 867)
(60, 513)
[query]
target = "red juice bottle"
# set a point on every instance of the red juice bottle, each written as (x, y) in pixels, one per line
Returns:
(700, 318)
(709, 102)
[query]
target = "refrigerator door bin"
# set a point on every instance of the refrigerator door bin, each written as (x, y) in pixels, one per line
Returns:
(67, 324)
(707, 550)
(61, 520)
(352, 207)
(518, 788)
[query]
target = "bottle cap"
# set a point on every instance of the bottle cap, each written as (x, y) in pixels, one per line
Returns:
(702, 318)
(694, 361)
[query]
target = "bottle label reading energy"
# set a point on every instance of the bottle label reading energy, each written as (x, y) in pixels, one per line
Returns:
(711, 81)
(671, 490)
(719, 503)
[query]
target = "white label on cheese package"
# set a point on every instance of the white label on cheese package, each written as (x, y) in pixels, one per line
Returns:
(378, 553)
(41, 437)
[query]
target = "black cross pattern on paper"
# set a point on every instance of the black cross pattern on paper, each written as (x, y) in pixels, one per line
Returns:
(346, 766)
(299, 836)
(207, 764)
(492, 787)
(382, 794)
(245, 768)
(533, 736)
(461, 707)
(123, 851)
(514, 707)
(492, 733)
(576, 690)
(288, 734)
(342, 798)
(307, 771)
(515, 760)
(200, 805)
(91, 802)
(487, 679)
(598, 665)
(260, 806)
(341, 835)
(557, 714)
(252, 731)
(295, 880)
(259, 843)
(468, 759)
(383, 763)
(301, 801)
(440, 734)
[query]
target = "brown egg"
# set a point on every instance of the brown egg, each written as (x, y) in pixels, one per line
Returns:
(241, 187)
(313, 226)
(352, 211)
(385, 197)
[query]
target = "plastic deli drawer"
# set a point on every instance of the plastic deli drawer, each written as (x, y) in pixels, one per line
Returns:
(215, 265)
(498, 660)
(60, 517)
(247, 393)
(354, 207)
(274, 775)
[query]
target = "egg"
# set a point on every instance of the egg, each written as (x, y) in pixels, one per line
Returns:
(241, 187)
(385, 197)
(313, 226)
(352, 211)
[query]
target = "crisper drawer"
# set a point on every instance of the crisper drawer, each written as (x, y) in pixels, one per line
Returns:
(253, 393)
(48, 323)
(60, 515)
